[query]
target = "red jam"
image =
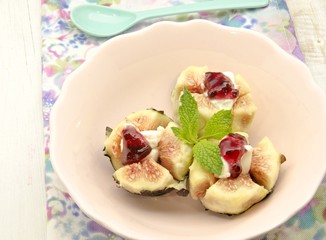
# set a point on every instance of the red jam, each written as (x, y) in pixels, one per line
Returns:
(219, 86)
(232, 149)
(135, 146)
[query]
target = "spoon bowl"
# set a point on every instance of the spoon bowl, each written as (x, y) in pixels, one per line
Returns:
(102, 21)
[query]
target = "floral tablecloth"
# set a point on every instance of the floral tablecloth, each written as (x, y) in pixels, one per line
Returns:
(64, 48)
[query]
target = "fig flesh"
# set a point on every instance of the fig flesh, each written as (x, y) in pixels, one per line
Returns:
(174, 155)
(243, 113)
(199, 180)
(146, 178)
(266, 164)
(233, 195)
(191, 78)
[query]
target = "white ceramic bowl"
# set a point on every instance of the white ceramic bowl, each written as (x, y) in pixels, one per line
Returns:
(137, 71)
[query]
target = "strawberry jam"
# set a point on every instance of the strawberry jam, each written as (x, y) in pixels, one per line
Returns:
(219, 86)
(232, 148)
(135, 146)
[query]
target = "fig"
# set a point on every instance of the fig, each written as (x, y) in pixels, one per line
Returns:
(174, 155)
(147, 157)
(242, 84)
(239, 98)
(193, 79)
(146, 178)
(266, 163)
(243, 113)
(234, 150)
(199, 180)
(233, 195)
(149, 119)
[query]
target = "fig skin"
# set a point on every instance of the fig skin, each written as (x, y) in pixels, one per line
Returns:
(156, 193)
(174, 155)
(149, 119)
(266, 164)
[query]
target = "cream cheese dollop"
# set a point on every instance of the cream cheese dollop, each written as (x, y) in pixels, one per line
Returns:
(153, 137)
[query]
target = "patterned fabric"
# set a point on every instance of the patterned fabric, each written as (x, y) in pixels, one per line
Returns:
(64, 48)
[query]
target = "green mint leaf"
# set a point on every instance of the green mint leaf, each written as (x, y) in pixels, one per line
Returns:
(178, 132)
(218, 125)
(208, 155)
(189, 116)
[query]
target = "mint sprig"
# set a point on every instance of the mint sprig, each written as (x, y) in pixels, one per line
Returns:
(189, 119)
(207, 153)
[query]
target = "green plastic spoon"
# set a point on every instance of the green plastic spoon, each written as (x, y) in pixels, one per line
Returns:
(104, 21)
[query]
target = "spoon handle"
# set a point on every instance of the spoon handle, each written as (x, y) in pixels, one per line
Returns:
(201, 6)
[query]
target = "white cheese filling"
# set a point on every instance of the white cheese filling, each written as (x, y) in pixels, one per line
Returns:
(153, 137)
(225, 170)
(246, 159)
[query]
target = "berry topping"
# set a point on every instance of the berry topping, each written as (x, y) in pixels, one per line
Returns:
(232, 148)
(235, 170)
(220, 86)
(135, 146)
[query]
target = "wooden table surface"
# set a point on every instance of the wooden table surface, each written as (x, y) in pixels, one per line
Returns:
(22, 191)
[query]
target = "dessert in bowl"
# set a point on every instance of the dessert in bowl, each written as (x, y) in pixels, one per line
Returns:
(204, 151)
(139, 70)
